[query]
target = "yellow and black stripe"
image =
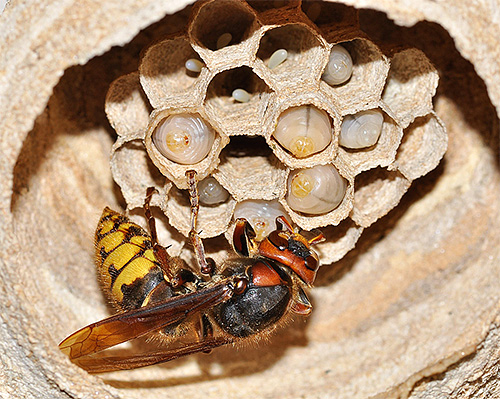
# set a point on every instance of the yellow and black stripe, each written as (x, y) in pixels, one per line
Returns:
(126, 263)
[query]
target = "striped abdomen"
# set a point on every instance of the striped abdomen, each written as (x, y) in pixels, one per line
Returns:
(127, 266)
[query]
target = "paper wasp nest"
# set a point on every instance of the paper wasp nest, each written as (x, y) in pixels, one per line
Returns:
(265, 101)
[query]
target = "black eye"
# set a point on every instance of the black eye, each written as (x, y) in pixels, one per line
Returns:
(278, 241)
(311, 262)
(240, 286)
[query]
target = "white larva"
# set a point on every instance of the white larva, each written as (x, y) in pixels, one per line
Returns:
(194, 65)
(184, 138)
(316, 190)
(277, 58)
(303, 130)
(361, 130)
(241, 95)
(260, 214)
(211, 192)
(224, 40)
(339, 67)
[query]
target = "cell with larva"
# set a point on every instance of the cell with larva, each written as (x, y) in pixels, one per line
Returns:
(361, 130)
(303, 130)
(315, 190)
(339, 67)
(260, 214)
(211, 192)
(184, 138)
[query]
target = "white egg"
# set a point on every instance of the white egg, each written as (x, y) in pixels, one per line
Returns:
(241, 95)
(194, 65)
(277, 58)
(224, 40)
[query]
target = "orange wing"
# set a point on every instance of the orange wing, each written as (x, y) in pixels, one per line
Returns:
(100, 363)
(135, 323)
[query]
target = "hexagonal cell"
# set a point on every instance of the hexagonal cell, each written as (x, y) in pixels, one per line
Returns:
(306, 52)
(382, 153)
(284, 103)
(316, 183)
(410, 86)
(223, 26)
(182, 138)
(212, 220)
(376, 192)
(164, 76)
(369, 73)
(424, 144)
(127, 107)
(230, 110)
(339, 240)
(134, 172)
(248, 170)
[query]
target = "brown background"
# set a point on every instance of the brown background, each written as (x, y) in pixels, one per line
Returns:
(412, 311)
